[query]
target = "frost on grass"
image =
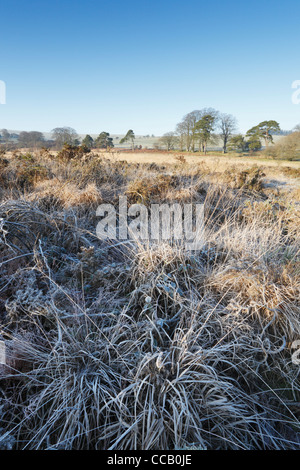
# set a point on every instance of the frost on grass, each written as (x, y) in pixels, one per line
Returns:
(131, 346)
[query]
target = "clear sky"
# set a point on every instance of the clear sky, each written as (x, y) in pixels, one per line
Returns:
(111, 65)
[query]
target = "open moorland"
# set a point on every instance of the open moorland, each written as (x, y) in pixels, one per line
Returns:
(115, 344)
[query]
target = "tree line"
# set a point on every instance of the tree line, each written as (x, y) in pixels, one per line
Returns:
(200, 128)
(195, 132)
(61, 136)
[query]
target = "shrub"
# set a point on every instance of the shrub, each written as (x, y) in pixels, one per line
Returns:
(29, 171)
(288, 148)
(293, 172)
(146, 190)
(180, 158)
(23, 171)
(69, 152)
(248, 179)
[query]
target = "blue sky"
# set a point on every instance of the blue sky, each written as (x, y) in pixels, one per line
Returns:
(114, 65)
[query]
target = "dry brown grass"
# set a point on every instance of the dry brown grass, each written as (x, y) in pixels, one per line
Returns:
(213, 161)
(65, 195)
(149, 189)
(246, 179)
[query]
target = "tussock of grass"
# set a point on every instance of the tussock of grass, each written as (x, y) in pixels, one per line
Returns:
(246, 179)
(66, 195)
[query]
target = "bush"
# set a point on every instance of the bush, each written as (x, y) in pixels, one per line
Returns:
(146, 190)
(22, 172)
(293, 172)
(69, 152)
(29, 171)
(288, 148)
(248, 179)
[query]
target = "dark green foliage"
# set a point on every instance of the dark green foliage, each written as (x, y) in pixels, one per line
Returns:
(69, 152)
(104, 141)
(128, 137)
(238, 143)
(88, 141)
(264, 130)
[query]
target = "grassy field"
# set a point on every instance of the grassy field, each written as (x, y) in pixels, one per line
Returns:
(131, 345)
(215, 160)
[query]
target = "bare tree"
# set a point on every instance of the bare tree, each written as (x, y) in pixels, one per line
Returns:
(180, 132)
(183, 129)
(31, 139)
(5, 135)
(169, 140)
(186, 130)
(64, 135)
(227, 125)
(187, 126)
